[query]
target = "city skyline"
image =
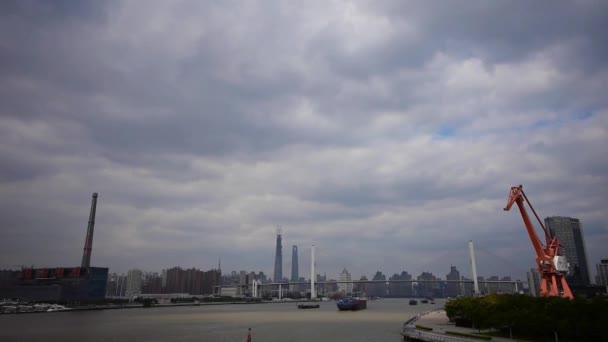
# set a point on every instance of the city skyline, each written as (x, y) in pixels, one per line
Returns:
(333, 276)
(387, 134)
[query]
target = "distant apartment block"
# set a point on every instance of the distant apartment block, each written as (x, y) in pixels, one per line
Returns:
(152, 283)
(400, 289)
(345, 285)
(377, 289)
(134, 282)
(361, 288)
(452, 289)
(117, 285)
(428, 285)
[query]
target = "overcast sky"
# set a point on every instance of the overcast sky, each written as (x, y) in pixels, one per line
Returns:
(387, 133)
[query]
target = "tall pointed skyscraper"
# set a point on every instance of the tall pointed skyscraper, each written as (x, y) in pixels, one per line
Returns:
(295, 276)
(278, 259)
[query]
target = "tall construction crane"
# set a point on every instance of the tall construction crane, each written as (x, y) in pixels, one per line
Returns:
(552, 264)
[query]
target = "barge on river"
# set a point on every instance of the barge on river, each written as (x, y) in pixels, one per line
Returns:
(352, 304)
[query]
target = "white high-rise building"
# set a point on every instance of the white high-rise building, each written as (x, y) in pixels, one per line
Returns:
(345, 285)
(134, 282)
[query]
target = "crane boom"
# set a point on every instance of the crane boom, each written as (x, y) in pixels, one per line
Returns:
(551, 264)
(516, 196)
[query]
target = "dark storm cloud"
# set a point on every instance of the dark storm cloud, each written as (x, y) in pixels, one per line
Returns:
(204, 125)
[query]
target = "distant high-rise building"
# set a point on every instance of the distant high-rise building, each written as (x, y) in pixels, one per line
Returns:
(534, 282)
(569, 231)
(112, 285)
(377, 289)
(345, 285)
(294, 264)
(134, 282)
(397, 289)
(428, 286)
(152, 283)
(262, 277)
(175, 280)
(164, 279)
(602, 272)
(278, 259)
(121, 286)
(361, 288)
(452, 289)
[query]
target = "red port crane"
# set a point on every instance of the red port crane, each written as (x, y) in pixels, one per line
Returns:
(552, 264)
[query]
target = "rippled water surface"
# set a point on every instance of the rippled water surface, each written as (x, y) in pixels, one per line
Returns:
(381, 321)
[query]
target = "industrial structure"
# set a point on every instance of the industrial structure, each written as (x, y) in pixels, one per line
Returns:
(474, 268)
(61, 284)
(88, 242)
(551, 262)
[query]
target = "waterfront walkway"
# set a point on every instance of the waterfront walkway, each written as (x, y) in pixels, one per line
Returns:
(439, 322)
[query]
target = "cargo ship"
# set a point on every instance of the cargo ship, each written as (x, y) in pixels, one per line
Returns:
(352, 304)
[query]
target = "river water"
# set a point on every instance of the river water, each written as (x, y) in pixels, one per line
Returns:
(381, 321)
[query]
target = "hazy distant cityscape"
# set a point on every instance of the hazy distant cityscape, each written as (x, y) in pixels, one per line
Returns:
(238, 283)
(88, 283)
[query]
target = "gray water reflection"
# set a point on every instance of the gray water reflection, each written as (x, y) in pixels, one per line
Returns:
(381, 321)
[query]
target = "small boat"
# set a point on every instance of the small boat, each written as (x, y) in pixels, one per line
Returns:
(413, 302)
(351, 304)
(424, 301)
(308, 306)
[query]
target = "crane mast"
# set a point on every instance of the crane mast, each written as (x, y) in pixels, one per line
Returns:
(552, 265)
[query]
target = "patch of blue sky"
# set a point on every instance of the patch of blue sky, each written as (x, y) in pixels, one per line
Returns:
(445, 132)
(585, 115)
(554, 123)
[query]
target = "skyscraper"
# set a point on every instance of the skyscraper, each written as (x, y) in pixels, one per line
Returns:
(134, 282)
(377, 289)
(569, 231)
(345, 285)
(452, 289)
(602, 272)
(295, 276)
(278, 259)
(534, 282)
